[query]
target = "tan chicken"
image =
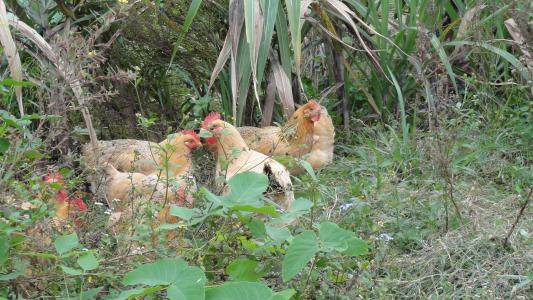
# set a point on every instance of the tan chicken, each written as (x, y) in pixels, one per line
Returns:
(230, 148)
(138, 156)
(309, 135)
(176, 186)
(295, 138)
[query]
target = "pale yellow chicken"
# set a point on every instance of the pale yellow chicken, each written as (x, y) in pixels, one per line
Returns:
(229, 146)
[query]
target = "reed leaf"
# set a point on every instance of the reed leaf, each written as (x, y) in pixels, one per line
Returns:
(191, 13)
(13, 58)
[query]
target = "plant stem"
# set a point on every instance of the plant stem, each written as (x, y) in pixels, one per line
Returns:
(520, 213)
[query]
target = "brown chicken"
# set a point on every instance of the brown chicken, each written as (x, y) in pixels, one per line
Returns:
(176, 186)
(321, 152)
(128, 155)
(309, 135)
(229, 146)
(295, 138)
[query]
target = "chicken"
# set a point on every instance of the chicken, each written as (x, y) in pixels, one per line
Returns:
(176, 186)
(295, 138)
(128, 155)
(231, 149)
(308, 135)
(321, 152)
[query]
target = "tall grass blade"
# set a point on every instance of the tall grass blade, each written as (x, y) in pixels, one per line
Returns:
(270, 12)
(13, 58)
(498, 51)
(282, 33)
(403, 118)
(293, 13)
(253, 20)
(191, 13)
(221, 60)
(444, 59)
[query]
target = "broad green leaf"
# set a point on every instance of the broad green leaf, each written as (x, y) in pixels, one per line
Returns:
(334, 237)
(137, 293)
(247, 188)
(283, 295)
(279, 235)
(307, 166)
(4, 249)
(302, 249)
(184, 279)
(66, 243)
(257, 227)
(356, 247)
(91, 293)
(243, 269)
(4, 145)
(191, 13)
(71, 271)
(88, 262)
(268, 210)
(239, 291)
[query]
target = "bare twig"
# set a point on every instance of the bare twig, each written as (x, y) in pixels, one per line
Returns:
(520, 213)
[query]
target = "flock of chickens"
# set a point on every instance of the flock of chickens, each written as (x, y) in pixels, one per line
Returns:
(130, 171)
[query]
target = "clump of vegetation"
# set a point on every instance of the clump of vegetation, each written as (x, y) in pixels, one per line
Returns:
(427, 197)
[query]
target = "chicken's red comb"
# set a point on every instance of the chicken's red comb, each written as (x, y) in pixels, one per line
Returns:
(210, 118)
(314, 104)
(191, 133)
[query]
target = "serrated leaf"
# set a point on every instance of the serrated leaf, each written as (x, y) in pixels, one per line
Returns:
(71, 271)
(334, 237)
(243, 269)
(239, 291)
(278, 234)
(66, 243)
(302, 249)
(257, 227)
(356, 247)
(247, 188)
(88, 262)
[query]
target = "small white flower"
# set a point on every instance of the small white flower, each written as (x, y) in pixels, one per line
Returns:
(98, 203)
(385, 237)
(116, 200)
(346, 206)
